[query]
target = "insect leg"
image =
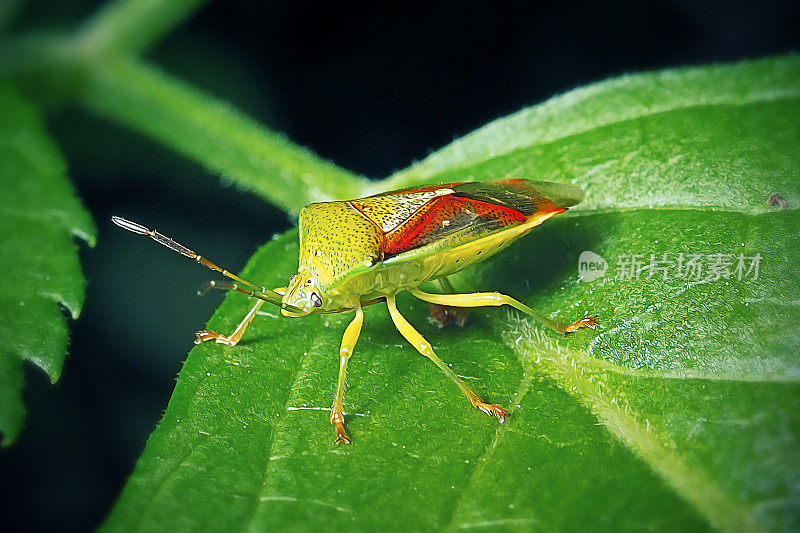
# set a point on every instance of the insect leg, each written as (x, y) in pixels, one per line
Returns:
(233, 338)
(481, 299)
(424, 347)
(446, 286)
(345, 351)
(442, 315)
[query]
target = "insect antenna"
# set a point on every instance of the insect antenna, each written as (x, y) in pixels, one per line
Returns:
(225, 286)
(258, 291)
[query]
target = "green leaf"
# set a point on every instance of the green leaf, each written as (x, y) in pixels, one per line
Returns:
(39, 215)
(639, 141)
(680, 413)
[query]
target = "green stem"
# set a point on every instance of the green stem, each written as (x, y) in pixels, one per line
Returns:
(131, 26)
(212, 132)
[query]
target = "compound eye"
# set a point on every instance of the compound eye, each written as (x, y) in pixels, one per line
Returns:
(316, 301)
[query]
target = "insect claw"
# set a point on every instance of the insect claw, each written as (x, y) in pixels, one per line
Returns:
(341, 436)
(585, 322)
(201, 336)
(589, 321)
(493, 410)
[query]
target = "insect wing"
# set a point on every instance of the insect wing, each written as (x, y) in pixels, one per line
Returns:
(526, 196)
(390, 211)
(449, 216)
(459, 212)
(520, 194)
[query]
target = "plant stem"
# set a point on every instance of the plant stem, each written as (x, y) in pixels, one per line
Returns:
(213, 133)
(131, 26)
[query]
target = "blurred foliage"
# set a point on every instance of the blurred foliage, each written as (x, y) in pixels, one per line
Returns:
(39, 214)
(95, 66)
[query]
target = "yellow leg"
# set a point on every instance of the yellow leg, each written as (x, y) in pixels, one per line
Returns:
(424, 347)
(481, 299)
(233, 338)
(345, 351)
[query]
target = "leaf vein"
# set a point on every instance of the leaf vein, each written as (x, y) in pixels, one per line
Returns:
(259, 495)
(567, 369)
(483, 460)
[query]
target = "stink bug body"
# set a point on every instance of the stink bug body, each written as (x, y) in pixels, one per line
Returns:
(358, 252)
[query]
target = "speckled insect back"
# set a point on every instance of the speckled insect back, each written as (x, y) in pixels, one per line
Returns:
(363, 251)
(334, 240)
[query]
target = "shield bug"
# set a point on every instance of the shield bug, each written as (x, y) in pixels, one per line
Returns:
(363, 251)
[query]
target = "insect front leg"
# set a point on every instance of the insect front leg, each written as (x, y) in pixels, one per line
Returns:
(484, 299)
(233, 338)
(424, 347)
(349, 340)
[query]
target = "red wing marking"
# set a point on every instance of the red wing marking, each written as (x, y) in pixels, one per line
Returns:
(445, 216)
(454, 213)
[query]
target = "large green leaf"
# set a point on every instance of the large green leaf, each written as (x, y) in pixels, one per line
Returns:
(39, 215)
(680, 413)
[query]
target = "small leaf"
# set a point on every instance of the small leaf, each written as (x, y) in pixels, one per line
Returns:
(680, 413)
(39, 215)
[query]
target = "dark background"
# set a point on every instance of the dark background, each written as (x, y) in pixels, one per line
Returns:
(372, 89)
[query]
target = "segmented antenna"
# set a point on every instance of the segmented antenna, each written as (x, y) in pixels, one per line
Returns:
(259, 291)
